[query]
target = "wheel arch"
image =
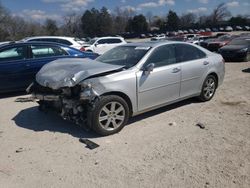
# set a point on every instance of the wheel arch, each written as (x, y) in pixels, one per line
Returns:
(123, 96)
(216, 77)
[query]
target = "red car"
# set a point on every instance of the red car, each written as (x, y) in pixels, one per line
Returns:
(216, 44)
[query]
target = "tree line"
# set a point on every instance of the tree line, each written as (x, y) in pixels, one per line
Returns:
(94, 22)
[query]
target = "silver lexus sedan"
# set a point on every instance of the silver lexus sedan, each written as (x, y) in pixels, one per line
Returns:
(128, 80)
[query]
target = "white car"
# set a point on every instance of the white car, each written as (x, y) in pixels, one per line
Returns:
(158, 37)
(103, 44)
(69, 41)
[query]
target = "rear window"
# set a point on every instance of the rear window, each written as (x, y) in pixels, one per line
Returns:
(185, 52)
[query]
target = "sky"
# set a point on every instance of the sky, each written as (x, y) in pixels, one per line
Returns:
(40, 10)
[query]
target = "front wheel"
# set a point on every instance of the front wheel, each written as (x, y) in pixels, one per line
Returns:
(208, 88)
(109, 115)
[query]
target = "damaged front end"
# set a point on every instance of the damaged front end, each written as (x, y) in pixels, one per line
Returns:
(61, 85)
(72, 103)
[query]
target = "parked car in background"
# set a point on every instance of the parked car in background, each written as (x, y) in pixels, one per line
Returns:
(198, 39)
(177, 38)
(19, 62)
(103, 44)
(237, 50)
(228, 29)
(246, 28)
(215, 29)
(215, 44)
(126, 81)
(5, 42)
(191, 31)
(238, 28)
(158, 37)
(190, 36)
(68, 41)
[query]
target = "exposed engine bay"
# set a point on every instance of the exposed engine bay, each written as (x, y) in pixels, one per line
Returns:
(72, 103)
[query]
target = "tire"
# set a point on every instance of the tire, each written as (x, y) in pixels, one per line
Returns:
(109, 115)
(247, 58)
(208, 88)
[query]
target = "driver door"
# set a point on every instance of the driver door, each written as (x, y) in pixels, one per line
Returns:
(162, 85)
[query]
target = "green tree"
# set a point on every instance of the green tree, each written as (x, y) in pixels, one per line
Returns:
(105, 22)
(138, 24)
(238, 20)
(173, 20)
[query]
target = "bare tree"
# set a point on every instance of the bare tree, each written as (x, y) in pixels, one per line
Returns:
(187, 20)
(220, 13)
(71, 26)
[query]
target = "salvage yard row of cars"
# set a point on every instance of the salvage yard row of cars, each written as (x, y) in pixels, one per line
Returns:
(101, 91)
(231, 47)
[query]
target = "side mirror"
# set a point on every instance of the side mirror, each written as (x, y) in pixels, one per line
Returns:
(96, 44)
(149, 68)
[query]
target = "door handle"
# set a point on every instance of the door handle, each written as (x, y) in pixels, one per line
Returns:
(205, 63)
(175, 70)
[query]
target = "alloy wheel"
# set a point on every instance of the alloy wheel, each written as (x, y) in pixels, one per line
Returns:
(209, 88)
(111, 116)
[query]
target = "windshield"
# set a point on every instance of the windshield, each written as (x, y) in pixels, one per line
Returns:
(128, 56)
(240, 42)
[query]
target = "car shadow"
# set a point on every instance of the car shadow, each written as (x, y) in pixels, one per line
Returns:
(33, 119)
(246, 70)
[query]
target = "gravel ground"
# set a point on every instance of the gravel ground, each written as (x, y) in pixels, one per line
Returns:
(162, 148)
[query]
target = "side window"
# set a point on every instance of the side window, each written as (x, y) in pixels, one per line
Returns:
(65, 42)
(185, 52)
(162, 56)
(32, 40)
(39, 51)
(102, 41)
(11, 54)
(113, 41)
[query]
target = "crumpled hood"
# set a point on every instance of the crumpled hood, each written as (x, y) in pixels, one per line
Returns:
(70, 71)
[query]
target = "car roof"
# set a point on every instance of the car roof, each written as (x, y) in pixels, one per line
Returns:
(153, 44)
(33, 42)
(108, 37)
(58, 37)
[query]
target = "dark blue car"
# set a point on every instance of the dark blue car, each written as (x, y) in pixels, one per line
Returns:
(19, 62)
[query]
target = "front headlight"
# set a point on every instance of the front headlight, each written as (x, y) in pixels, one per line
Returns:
(243, 50)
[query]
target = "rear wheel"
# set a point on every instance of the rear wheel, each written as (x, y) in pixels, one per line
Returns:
(208, 88)
(110, 114)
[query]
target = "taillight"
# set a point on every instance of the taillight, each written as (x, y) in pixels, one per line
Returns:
(82, 49)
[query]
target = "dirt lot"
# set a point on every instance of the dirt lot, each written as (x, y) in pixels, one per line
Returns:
(41, 150)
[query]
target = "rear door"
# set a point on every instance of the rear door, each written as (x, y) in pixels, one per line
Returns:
(13, 68)
(39, 55)
(194, 65)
